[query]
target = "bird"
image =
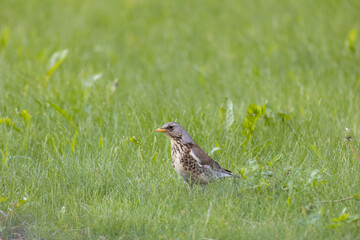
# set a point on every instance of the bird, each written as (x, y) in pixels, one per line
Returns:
(190, 162)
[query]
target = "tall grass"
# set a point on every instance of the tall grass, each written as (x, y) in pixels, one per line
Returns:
(84, 84)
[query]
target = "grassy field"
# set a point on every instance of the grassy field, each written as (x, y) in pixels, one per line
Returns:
(84, 84)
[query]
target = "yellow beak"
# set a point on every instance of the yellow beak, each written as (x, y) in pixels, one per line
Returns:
(160, 130)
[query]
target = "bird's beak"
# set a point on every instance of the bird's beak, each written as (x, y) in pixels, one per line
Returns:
(160, 130)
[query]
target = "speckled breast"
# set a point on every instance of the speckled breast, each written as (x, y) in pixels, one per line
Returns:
(184, 164)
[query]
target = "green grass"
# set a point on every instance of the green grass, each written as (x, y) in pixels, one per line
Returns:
(174, 61)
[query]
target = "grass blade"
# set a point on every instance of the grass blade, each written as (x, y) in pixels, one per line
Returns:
(229, 114)
(62, 112)
(55, 61)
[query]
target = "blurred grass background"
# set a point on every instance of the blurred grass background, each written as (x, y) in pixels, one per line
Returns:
(130, 67)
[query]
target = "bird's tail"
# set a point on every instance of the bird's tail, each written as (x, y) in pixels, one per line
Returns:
(230, 174)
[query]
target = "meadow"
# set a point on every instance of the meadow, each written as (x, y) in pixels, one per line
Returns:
(266, 87)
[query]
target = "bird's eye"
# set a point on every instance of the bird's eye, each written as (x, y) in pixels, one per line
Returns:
(170, 127)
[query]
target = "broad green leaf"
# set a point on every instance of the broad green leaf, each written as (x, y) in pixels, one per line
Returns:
(25, 116)
(285, 117)
(23, 200)
(2, 199)
(134, 140)
(341, 218)
(351, 39)
(357, 197)
(7, 122)
(275, 116)
(334, 225)
(254, 112)
(242, 172)
(229, 114)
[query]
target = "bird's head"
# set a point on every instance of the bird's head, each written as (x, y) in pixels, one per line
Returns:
(175, 131)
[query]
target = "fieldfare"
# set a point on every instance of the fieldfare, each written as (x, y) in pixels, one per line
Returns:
(189, 160)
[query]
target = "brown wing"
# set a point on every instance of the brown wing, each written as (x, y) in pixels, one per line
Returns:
(205, 159)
